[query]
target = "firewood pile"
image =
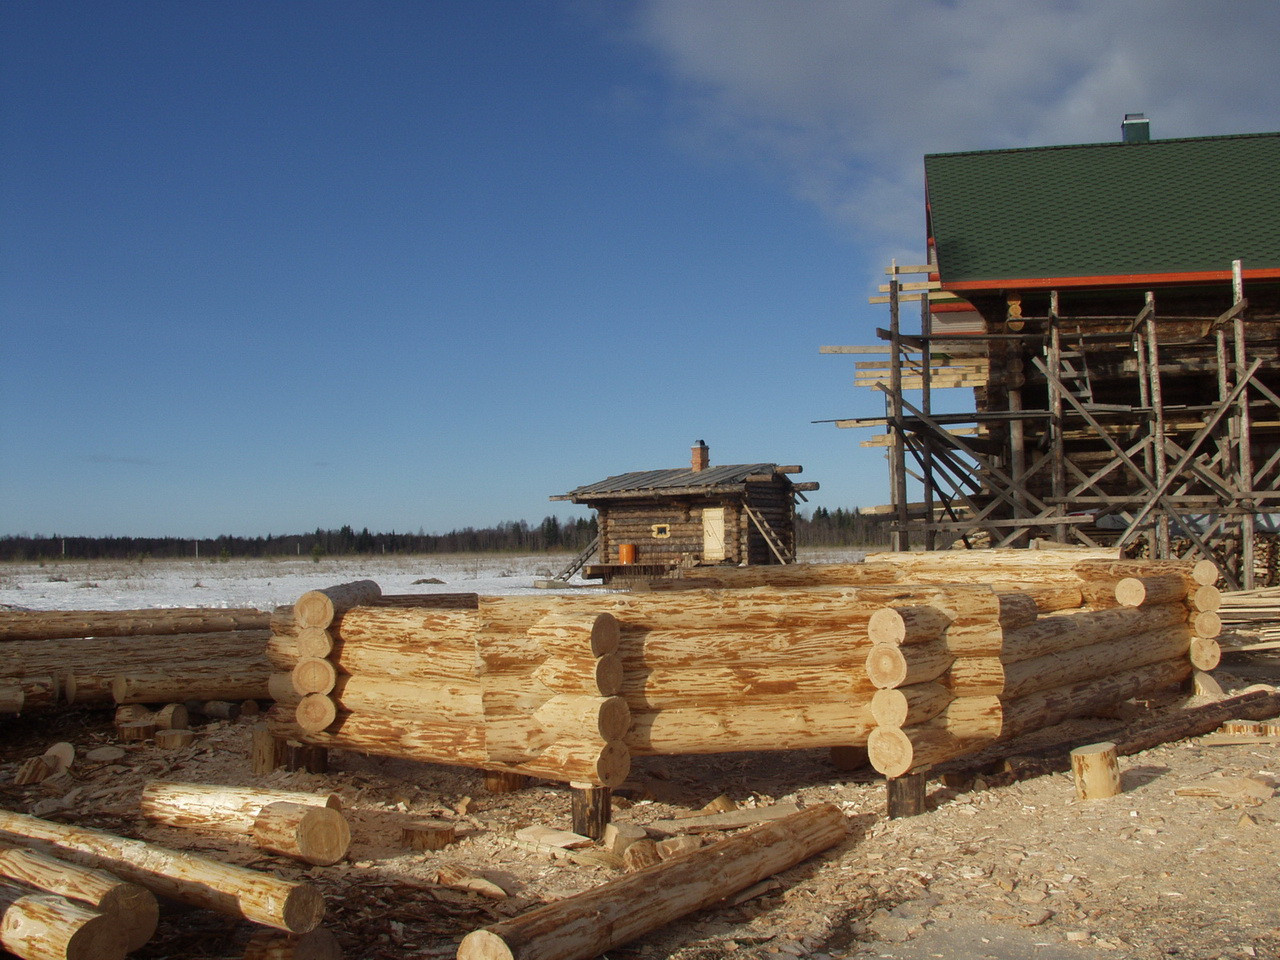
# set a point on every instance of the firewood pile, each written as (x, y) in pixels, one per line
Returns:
(96, 658)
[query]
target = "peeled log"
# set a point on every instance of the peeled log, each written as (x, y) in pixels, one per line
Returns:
(1203, 572)
(319, 944)
(980, 676)
(766, 723)
(907, 625)
(187, 877)
(315, 712)
(584, 674)
(317, 835)
(1050, 635)
(1206, 599)
(313, 675)
(599, 920)
(566, 716)
(222, 682)
(716, 687)
(64, 624)
(39, 926)
(896, 751)
(429, 699)
(1205, 653)
(889, 665)
(1150, 591)
(1206, 623)
(577, 634)
(319, 608)
(201, 806)
(908, 706)
(134, 907)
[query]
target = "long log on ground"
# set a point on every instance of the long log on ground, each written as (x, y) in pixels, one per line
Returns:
(41, 926)
(187, 877)
(66, 624)
(1131, 737)
(599, 920)
(247, 681)
(205, 806)
(19, 694)
(133, 906)
(317, 835)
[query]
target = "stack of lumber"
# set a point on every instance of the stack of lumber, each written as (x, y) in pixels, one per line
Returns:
(130, 656)
(944, 694)
(1253, 617)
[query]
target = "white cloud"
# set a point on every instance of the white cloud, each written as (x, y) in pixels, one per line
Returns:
(845, 97)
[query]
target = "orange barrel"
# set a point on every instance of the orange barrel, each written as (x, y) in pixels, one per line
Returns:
(626, 553)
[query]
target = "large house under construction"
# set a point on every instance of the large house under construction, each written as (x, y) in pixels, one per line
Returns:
(1114, 307)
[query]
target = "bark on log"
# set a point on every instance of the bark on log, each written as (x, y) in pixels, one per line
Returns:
(594, 922)
(319, 608)
(39, 926)
(235, 891)
(20, 625)
(134, 907)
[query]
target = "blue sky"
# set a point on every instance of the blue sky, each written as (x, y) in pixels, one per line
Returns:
(268, 266)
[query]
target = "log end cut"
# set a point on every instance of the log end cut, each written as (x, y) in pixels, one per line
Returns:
(484, 945)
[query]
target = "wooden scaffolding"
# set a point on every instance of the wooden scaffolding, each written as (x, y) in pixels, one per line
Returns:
(1157, 431)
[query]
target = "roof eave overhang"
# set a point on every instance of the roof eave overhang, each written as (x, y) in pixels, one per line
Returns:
(1111, 280)
(656, 493)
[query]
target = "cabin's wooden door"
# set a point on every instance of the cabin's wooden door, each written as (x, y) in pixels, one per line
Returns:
(713, 533)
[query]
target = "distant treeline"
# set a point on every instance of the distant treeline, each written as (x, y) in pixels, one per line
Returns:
(823, 528)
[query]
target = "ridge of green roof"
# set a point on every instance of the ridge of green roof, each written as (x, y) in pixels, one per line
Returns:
(1178, 206)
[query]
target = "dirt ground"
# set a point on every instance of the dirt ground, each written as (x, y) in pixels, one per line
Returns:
(1016, 871)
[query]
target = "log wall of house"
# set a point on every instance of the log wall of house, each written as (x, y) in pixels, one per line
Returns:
(633, 521)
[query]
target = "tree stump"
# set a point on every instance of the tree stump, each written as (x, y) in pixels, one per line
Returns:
(1096, 770)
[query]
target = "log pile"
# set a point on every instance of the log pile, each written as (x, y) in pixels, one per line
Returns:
(101, 657)
(291, 906)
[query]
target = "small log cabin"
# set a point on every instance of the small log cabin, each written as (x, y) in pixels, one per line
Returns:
(652, 521)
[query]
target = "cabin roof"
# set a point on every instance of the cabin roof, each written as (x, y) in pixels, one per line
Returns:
(1106, 214)
(682, 481)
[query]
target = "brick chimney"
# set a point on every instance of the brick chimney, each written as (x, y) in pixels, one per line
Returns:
(701, 456)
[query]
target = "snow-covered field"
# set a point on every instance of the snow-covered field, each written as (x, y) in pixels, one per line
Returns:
(265, 584)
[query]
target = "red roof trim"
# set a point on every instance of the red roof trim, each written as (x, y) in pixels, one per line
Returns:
(1115, 280)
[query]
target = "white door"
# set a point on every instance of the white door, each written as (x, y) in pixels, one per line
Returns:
(713, 533)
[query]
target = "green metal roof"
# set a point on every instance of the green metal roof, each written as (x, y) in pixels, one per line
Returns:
(1107, 209)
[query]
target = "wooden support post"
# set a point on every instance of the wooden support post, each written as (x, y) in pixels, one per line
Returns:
(901, 537)
(498, 781)
(1157, 422)
(906, 795)
(1059, 466)
(1248, 523)
(267, 751)
(591, 809)
(1096, 771)
(305, 756)
(926, 403)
